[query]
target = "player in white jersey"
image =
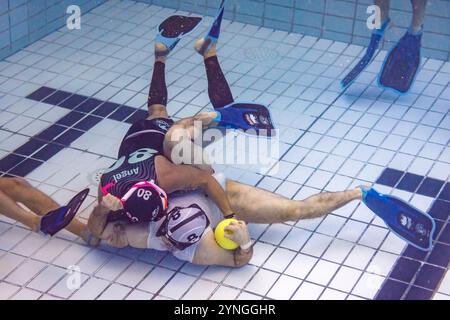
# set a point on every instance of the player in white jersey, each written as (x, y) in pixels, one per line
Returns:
(186, 230)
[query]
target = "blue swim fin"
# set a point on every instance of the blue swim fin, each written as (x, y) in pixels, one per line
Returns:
(374, 44)
(412, 225)
(58, 219)
(246, 116)
(402, 63)
(213, 33)
(173, 28)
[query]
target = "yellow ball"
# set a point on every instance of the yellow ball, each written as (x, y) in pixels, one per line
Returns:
(219, 234)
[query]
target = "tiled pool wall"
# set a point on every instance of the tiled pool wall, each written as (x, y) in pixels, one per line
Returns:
(341, 20)
(22, 22)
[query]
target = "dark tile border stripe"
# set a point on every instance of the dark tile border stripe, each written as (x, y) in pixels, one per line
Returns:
(422, 185)
(85, 113)
(417, 274)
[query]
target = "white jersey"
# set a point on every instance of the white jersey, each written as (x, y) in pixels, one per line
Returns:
(185, 200)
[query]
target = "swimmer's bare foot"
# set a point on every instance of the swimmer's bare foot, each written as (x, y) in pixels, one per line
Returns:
(361, 190)
(201, 46)
(161, 52)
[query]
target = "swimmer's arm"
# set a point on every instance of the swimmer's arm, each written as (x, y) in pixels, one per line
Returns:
(208, 252)
(173, 178)
(99, 216)
(97, 220)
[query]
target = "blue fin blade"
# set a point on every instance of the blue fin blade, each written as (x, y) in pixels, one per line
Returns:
(170, 43)
(402, 63)
(364, 62)
(175, 27)
(212, 36)
(374, 43)
(246, 116)
(58, 219)
(409, 223)
(214, 32)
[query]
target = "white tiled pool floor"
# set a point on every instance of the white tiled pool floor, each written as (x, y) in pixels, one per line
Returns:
(330, 140)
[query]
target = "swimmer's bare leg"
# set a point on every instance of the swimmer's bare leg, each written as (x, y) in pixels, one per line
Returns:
(10, 209)
(182, 137)
(384, 6)
(255, 205)
(419, 7)
(19, 190)
(183, 134)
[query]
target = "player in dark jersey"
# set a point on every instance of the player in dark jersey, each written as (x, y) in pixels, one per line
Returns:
(190, 216)
(142, 176)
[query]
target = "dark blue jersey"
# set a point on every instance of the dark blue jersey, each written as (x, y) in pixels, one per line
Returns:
(128, 170)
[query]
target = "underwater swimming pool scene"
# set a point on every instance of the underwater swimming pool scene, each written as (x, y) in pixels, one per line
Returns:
(67, 98)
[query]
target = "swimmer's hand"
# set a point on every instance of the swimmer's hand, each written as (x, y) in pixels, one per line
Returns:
(111, 203)
(237, 231)
(118, 237)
